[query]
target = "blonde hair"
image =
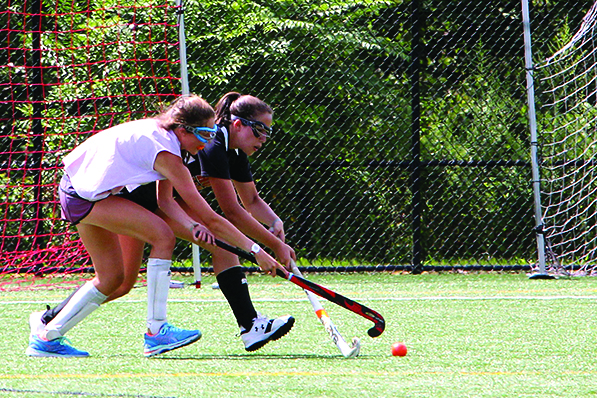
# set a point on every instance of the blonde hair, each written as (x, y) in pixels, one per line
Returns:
(190, 110)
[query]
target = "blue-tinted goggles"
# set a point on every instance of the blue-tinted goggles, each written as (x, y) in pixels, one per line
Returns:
(260, 129)
(203, 134)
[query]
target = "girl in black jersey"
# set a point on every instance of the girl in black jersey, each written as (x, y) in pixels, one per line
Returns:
(244, 125)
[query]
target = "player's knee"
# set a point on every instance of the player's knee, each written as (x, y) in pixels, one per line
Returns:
(127, 286)
(122, 290)
(117, 279)
(164, 240)
(109, 283)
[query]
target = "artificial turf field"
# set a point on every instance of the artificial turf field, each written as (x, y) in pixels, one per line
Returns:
(468, 335)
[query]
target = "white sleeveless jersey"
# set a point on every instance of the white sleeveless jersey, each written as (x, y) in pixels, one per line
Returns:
(119, 156)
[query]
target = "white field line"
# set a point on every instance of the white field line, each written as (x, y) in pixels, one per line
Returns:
(290, 300)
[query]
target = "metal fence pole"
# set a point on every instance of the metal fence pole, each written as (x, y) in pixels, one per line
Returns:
(182, 49)
(415, 164)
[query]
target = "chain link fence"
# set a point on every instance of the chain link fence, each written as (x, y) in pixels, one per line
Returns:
(401, 129)
(400, 126)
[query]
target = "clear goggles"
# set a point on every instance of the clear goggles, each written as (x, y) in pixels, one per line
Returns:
(260, 129)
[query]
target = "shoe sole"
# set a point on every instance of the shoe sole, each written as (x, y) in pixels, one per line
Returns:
(179, 344)
(35, 353)
(275, 336)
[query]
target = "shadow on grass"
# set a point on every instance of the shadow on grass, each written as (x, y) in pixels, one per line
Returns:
(45, 393)
(244, 357)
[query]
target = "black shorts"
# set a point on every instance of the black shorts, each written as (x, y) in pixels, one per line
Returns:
(144, 195)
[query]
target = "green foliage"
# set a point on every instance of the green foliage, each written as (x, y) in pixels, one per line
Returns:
(324, 66)
(337, 74)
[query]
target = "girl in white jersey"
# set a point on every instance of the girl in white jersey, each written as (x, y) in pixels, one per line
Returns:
(131, 154)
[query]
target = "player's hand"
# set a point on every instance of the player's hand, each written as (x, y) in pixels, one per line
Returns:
(277, 229)
(284, 254)
(202, 234)
(267, 263)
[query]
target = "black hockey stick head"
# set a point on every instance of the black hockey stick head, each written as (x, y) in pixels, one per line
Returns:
(377, 329)
(379, 323)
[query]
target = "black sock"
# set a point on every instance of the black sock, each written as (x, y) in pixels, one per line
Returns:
(233, 284)
(52, 312)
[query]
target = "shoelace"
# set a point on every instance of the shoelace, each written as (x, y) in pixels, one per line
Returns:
(63, 340)
(171, 328)
(259, 316)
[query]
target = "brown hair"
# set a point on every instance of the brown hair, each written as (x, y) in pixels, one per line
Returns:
(191, 110)
(245, 106)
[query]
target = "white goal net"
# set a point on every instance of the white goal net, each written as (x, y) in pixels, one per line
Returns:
(568, 152)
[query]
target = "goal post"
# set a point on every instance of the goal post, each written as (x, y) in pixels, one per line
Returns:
(568, 141)
(185, 89)
(532, 117)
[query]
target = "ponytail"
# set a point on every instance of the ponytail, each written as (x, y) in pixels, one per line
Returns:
(245, 106)
(223, 115)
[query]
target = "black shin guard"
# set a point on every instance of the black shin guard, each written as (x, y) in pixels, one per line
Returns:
(233, 284)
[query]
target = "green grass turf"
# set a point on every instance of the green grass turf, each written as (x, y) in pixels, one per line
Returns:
(468, 335)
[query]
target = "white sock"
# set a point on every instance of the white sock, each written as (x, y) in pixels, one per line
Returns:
(86, 300)
(158, 284)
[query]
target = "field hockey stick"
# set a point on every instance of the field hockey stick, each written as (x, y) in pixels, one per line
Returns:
(346, 350)
(345, 302)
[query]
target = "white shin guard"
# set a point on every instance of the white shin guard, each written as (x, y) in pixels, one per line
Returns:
(158, 284)
(86, 300)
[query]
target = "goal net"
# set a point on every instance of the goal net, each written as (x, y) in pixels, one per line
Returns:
(568, 150)
(69, 70)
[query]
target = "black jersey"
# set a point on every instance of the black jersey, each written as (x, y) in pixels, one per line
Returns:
(217, 160)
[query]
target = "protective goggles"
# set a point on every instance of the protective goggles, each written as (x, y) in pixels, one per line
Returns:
(260, 129)
(203, 134)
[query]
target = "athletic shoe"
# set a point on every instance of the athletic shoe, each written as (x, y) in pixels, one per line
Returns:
(35, 324)
(265, 330)
(53, 348)
(176, 285)
(167, 339)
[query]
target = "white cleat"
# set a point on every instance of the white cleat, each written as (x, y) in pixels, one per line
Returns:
(265, 330)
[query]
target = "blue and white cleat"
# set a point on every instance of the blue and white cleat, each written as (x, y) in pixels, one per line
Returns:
(53, 348)
(167, 339)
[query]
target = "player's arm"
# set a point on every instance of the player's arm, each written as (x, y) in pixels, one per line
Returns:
(173, 210)
(227, 198)
(171, 167)
(258, 208)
